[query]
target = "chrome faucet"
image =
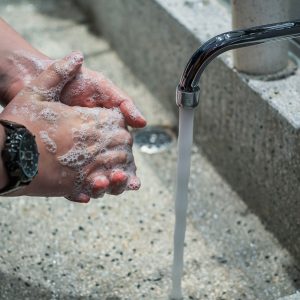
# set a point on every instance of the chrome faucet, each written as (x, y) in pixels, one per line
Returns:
(188, 89)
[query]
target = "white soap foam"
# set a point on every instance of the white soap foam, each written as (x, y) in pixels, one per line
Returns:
(48, 142)
(49, 115)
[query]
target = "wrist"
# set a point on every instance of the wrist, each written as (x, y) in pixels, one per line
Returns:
(3, 173)
(19, 157)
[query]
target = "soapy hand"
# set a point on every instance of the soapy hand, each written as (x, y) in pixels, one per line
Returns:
(84, 152)
(92, 89)
(88, 88)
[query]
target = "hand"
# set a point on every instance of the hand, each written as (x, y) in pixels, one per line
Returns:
(84, 152)
(92, 89)
(88, 88)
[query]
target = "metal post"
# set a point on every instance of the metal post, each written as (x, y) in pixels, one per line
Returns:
(261, 59)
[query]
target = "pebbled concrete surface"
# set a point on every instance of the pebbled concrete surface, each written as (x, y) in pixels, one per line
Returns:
(121, 248)
(248, 128)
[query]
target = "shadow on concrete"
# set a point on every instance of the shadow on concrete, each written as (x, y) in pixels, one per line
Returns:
(68, 9)
(294, 274)
(16, 288)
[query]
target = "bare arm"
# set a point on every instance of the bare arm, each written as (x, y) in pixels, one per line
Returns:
(10, 75)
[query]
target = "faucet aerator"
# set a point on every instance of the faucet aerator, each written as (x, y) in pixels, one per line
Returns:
(187, 99)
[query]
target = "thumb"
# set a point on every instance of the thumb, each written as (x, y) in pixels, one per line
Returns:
(58, 74)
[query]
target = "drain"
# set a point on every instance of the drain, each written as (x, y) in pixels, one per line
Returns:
(154, 139)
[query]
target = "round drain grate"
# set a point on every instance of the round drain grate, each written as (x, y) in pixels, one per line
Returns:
(154, 139)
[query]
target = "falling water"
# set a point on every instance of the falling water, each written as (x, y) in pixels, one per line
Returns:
(185, 141)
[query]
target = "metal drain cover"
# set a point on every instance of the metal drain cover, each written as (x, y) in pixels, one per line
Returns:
(154, 139)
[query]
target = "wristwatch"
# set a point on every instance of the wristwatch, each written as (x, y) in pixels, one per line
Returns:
(20, 156)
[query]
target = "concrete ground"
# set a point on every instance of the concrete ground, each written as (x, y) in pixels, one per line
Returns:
(121, 247)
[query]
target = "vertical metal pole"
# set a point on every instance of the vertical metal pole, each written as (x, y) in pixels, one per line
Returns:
(267, 58)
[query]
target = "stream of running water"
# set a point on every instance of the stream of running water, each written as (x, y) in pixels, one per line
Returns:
(185, 141)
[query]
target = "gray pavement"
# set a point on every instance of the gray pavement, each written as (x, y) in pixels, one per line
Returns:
(121, 247)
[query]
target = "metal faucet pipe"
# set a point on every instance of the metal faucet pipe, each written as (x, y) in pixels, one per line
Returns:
(188, 90)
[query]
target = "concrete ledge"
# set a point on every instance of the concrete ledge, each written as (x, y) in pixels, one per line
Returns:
(292, 297)
(248, 128)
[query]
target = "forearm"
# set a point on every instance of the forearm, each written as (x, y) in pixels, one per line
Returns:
(15, 53)
(3, 173)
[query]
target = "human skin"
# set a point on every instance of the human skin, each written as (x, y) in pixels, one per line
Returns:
(84, 152)
(20, 63)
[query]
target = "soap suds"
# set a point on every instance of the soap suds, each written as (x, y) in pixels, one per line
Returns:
(48, 142)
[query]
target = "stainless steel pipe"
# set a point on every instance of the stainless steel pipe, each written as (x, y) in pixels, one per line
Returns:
(188, 89)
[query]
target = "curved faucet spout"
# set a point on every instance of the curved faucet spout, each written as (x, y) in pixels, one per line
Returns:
(188, 90)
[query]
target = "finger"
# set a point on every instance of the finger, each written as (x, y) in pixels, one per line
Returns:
(112, 96)
(118, 182)
(99, 182)
(81, 198)
(113, 117)
(133, 183)
(132, 115)
(99, 185)
(118, 177)
(59, 73)
(122, 137)
(112, 159)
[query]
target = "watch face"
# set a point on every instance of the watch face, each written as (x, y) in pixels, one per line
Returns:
(29, 155)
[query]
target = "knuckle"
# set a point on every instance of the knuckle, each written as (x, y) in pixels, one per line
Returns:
(58, 68)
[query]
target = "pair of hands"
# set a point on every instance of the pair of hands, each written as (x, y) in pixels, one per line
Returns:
(85, 148)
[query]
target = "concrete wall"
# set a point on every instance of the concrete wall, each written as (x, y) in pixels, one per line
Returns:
(248, 128)
(292, 297)
(145, 41)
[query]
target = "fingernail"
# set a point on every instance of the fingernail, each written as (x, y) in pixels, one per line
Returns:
(141, 121)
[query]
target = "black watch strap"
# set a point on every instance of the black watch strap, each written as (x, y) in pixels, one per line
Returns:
(15, 158)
